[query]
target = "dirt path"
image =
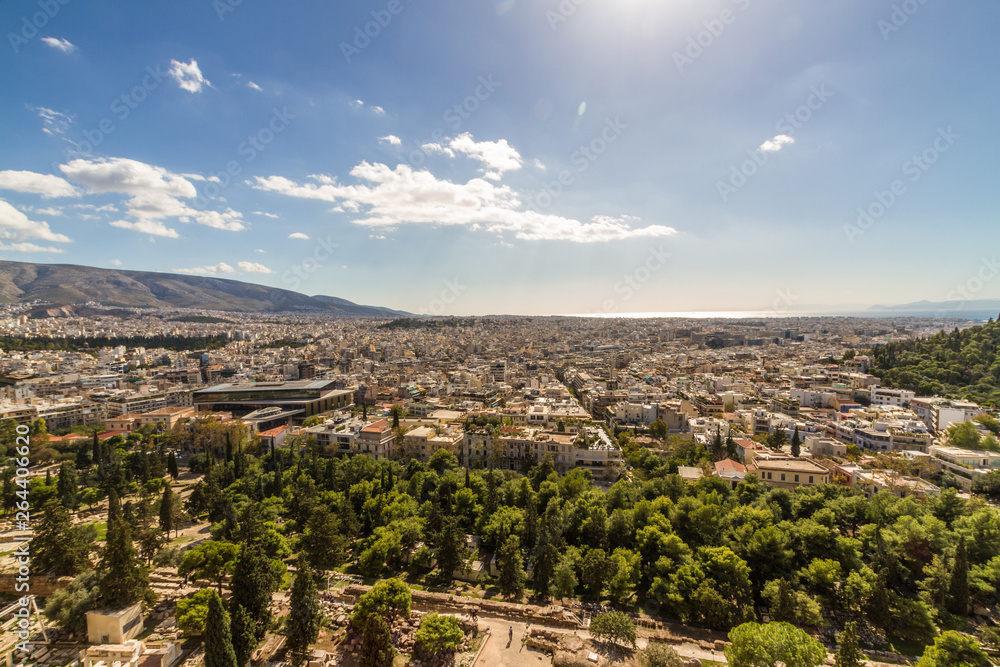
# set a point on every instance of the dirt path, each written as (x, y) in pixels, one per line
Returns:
(501, 651)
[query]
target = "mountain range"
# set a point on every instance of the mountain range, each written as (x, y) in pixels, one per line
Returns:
(63, 285)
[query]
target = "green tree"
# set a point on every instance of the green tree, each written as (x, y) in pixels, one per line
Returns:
(124, 581)
(767, 644)
(66, 486)
(302, 628)
(953, 649)
(564, 579)
(659, 654)
(376, 643)
(192, 611)
(212, 559)
(322, 540)
(58, 546)
(252, 584)
(389, 599)
(958, 586)
(594, 571)
(615, 627)
(68, 607)
(218, 639)
(510, 562)
(848, 653)
(168, 510)
(451, 551)
(242, 628)
(438, 634)
(172, 466)
(796, 442)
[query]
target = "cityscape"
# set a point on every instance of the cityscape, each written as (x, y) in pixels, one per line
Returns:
(515, 333)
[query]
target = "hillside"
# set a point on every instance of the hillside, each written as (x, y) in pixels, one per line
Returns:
(960, 364)
(67, 284)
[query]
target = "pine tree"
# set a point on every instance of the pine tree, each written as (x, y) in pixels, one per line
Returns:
(451, 550)
(167, 511)
(172, 466)
(124, 581)
(218, 638)
(796, 443)
(242, 630)
(546, 560)
(511, 565)
(958, 587)
(376, 643)
(302, 628)
(878, 611)
(83, 460)
(848, 653)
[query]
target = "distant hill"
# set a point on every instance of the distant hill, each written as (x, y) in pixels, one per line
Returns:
(64, 285)
(956, 364)
(977, 309)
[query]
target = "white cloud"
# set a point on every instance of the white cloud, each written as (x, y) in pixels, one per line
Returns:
(115, 262)
(254, 86)
(266, 215)
(390, 139)
(496, 156)
(53, 122)
(261, 250)
(375, 109)
(299, 235)
(63, 45)
(253, 267)
(379, 110)
(16, 226)
(539, 164)
(155, 193)
(388, 197)
(210, 270)
(188, 76)
(777, 143)
(43, 184)
(28, 247)
(49, 211)
(151, 227)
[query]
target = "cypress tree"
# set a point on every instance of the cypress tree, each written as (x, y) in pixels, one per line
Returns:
(878, 610)
(784, 606)
(172, 466)
(958, 587)
(510, 562)
(123, 580)
(218, 638)
(83, 459)
(242, 630)
(167, 511)
(56, 546)
(66, 485)
(376, 643)
(304, 620)
(848, 653)
(252, 585)
(95, 452)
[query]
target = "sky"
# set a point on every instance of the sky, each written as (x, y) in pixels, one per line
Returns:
(512, 156)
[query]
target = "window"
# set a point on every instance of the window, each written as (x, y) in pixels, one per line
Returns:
(782, 477)
(810, 479)
(796, 478)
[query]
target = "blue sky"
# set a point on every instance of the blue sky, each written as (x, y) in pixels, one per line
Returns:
(512, 157)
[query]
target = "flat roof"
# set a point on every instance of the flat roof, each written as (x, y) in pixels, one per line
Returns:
(230, 387)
